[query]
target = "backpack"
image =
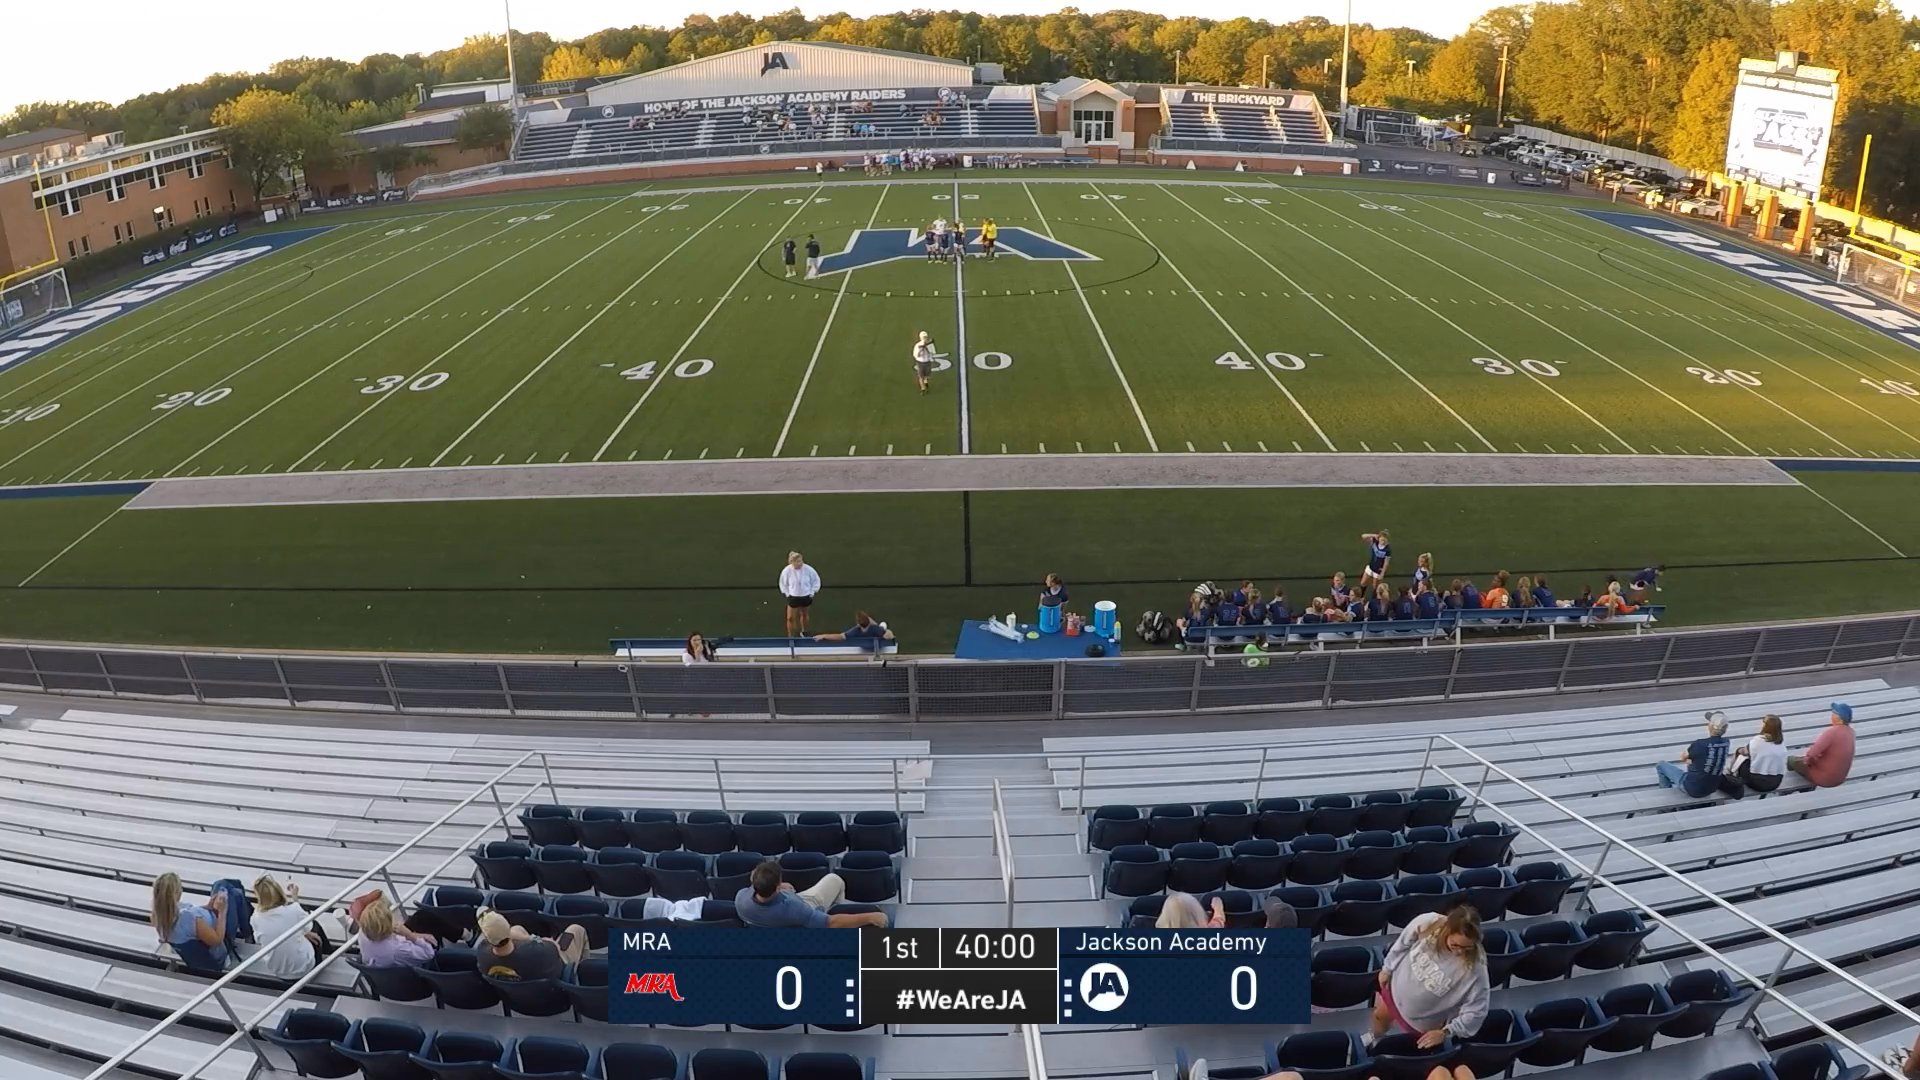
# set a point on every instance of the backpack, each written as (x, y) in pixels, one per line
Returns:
(1155, 628)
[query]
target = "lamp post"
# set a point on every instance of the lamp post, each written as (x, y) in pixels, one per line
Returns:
(513, 84)
(1263, 72)
(1500, 95)
(1346, 46)
(1176, 66)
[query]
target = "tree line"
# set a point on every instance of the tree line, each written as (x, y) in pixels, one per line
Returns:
(1653, 75)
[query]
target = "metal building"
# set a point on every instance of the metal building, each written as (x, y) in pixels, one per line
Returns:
(785, 67)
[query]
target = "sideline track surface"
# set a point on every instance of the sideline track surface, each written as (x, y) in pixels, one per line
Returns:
(999, 472)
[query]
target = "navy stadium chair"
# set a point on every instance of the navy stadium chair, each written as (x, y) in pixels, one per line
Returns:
(1280, 819)
(653, 829)
(383, 1049)
(543, 1057)
(1504, 951)
(1197, 867)
(679, 875)
(527, 910)
(620, 871)
(879, 830)
(560, 868)
(1239, 906)
(308, 1036)
(819, 831)
(819, 1065)
(732, 871)
(1484, 843)
(1614, 939)
(586, 987)
(1751, 1070)
(587, 912)
(1542, 886)
(1430, 850)
(804, 869)
(1226, 823)
(1816, 1061)
(461, 1055)
(1434, 806)
(1705, 996)
(1374, 855)
(1638, 1012)
(1323, 1055)
(729, 1064)
(1335, 814)
(446, 911)
(1384, 810)
(603, 826)
(1488, 889)
(1310, 905)
(1342, 976)
(1318, 859)
(530, 997)
(1566, 1026)
(1397, 1056)
(397, 983)
(1492, 1050)
(638, 1061)
(1136, 870)
(1109, 827)
(1144, 911)
(1423, 894)
(630, 914)
(548, 824)
(1360, 908)
(764, 831)
(1552, 948)
(1259, 864)
(455, 976)
(505, 864)
(707, 832)
(1172, 823)
(870, 876)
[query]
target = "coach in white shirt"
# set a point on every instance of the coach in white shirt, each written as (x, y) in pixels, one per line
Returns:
(799, 583)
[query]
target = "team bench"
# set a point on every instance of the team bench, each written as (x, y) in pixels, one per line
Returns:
(1449, 624)
(752, 648)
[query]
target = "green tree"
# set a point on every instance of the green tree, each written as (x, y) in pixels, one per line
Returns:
(265, 134)
(483, 127)
(1219, 54)
(1699, 139)
(567, 62)
(1461, 76)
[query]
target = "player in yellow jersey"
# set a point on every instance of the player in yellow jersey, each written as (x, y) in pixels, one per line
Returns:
(989, 238)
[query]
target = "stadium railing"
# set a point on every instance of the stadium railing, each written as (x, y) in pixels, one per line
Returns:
(930, 689)
(1452, 624)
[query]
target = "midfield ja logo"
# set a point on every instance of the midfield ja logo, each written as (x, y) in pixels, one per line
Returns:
(871, 247)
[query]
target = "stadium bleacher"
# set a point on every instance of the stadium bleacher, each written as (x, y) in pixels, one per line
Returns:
(1362, 836)
(1248, 116)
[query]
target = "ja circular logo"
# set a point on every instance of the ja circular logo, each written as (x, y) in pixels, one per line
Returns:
(1103, 987)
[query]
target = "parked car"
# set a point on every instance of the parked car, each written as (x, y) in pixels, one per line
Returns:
(1700, 205)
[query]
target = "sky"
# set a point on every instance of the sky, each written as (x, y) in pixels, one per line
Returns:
(142, 53)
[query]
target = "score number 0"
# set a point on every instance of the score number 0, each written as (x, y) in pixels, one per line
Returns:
(780, 988)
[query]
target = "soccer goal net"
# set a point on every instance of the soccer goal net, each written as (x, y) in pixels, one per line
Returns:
(33, 297)
(1880, 274)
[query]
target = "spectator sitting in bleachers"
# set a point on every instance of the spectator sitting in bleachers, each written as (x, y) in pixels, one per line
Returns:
(1612, 603)
(864, 628)
(512, 953)
(1586, 597)
(1704, 761)
(1403, 605)
(1182, 912)
(1379, 606)
(1543, 596)
(1226, 612)
(275, 914)
(1433, 982)
(1827, 762)
(1199, 609)
(1470, 597)
(1316, 612)
(1760, 765)
(1279, 612)
(202, 934)
(768, 901)
(698, 651)
(1426, 603)
(1337, 590)
(386, 942)
(1357, 606)
(1497, 595)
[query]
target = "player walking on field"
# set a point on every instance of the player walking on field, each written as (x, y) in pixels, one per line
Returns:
(989, 235)
(923, 360)
(786, 254)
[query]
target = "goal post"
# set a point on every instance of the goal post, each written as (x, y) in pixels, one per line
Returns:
(33, 297)
(1870, 271)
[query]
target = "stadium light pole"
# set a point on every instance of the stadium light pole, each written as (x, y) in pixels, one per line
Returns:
(1859, 185)
(1500, 95)
(513, 84)
(1346, 46)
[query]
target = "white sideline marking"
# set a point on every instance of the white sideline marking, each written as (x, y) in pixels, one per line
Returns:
(819, 344)
(960, 322)
(1837, 508)
(76, 543)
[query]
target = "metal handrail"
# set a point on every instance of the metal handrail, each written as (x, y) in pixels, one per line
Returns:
(1003, 847)
(214, 989)
(1036, 1052)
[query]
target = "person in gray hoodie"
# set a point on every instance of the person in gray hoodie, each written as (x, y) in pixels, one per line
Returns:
(1434, 981)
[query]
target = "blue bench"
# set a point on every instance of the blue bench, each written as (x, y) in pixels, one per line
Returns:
(1449, 624)
(752, 648)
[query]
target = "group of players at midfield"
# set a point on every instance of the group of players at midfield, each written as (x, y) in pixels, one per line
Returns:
(947, 240)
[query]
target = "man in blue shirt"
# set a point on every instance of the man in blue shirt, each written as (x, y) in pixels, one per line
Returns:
(1698, 771)
(1543, 596)
(1427, 604)
(864, 629)
(768, 901)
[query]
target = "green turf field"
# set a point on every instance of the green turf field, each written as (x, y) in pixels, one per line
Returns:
(633, 324)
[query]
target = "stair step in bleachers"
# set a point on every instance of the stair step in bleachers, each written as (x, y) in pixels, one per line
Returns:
(25, 1061)
(100, 1032)
(1835, 1001)
(1897, 887)
(1827, 862)
(147, 989)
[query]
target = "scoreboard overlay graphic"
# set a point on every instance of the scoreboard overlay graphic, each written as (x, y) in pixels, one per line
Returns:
(1088, 975)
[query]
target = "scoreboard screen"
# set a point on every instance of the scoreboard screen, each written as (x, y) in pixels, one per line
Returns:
(1072, 975)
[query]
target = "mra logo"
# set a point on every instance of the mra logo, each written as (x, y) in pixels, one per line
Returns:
(653, 982)
(871, 247)
(769, 61)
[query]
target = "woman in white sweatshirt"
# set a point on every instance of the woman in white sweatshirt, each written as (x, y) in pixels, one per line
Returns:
(1434, 981)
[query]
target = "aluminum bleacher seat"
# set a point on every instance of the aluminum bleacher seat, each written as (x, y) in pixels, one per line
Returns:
(383, 1048)
(308, 1037)
(543, 1057)
(460, 1055)
(1638, 1012)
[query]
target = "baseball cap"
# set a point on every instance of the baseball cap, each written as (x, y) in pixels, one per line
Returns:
(1843, 710)
(493, 926)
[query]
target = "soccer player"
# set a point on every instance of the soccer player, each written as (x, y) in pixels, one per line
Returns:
(959, 239)
(787, 255)
(933, 244)
(923, 360)
(940, 238)
(1648, 578)
(813, 256)
(1379, 554)
(989, 234)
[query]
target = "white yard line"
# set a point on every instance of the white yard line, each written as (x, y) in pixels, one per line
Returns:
(381, 399)
(383, 332)
(806, 377)
(211, 345)
(1690, 410)
(1087, 306)
(1837, 509)
(76, 543)
(960, 336)
(1208, 304)
(1317, 302)
(584, 327)
(1656, 337)
(711, 312)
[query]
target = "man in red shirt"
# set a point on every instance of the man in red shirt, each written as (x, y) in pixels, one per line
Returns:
(1827, 762)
